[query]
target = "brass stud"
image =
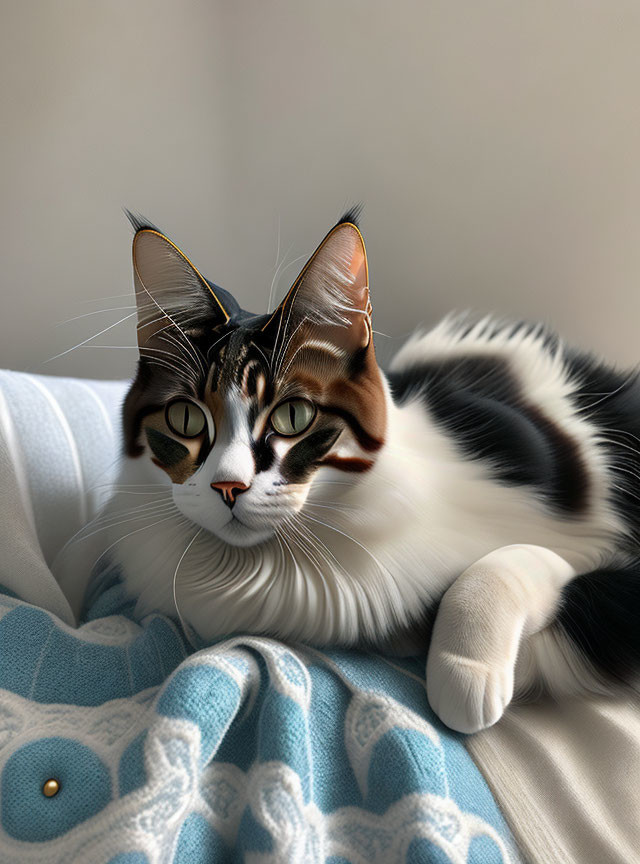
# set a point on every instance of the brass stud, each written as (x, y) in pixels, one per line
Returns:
(51, 788)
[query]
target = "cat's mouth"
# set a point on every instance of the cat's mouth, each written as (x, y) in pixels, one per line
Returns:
(238, 533)
(235, 519)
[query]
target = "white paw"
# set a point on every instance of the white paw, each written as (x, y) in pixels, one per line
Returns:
(467, 695)
(483, 617)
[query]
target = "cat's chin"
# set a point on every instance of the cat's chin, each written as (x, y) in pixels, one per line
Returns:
(236, 533)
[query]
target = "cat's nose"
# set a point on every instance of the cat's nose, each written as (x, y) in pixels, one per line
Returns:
(230, 489)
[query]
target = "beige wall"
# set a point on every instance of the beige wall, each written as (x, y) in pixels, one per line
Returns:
(495, 145)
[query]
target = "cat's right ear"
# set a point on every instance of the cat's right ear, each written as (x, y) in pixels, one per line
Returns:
(170, 291)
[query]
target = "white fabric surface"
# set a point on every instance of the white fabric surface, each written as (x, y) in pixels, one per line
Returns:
(566, 776)
(59, 443)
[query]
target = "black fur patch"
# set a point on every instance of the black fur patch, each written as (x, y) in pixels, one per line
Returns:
(610, 399)
(364, 439)
(263, 455)
(301, 458)
(600, 613)
(167, 450)
(479, 403)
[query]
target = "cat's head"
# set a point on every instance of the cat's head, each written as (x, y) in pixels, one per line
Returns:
(245, 412)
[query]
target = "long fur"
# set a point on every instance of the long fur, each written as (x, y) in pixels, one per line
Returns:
(495, 437)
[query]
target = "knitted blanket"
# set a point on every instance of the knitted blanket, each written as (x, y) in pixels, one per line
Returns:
(120, 744)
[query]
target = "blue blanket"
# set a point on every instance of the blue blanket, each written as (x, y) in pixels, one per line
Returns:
(248, 750)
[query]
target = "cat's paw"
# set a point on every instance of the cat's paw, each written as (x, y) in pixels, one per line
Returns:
(484, 616)
(468, 695)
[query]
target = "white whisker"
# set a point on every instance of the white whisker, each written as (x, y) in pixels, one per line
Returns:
(348, 537)
(95, 335)
(95, 312)
(156, 510)
(131, 533)
(192, 348)
(175, 579)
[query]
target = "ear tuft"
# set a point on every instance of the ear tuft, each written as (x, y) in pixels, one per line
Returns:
(352, 216)
(139, 222)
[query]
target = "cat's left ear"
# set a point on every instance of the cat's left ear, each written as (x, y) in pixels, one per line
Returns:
(332, 289)
(170, 290)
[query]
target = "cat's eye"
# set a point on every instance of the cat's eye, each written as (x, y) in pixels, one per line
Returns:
(292, 417)
(185, 418)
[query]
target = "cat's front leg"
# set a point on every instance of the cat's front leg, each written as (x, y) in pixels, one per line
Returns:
(497, 602)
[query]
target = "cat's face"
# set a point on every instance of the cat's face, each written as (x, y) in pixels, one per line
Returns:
(246, 412)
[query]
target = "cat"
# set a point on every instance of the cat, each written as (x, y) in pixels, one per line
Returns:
(480, 499)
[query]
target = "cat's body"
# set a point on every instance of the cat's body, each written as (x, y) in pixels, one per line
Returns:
(482, 436)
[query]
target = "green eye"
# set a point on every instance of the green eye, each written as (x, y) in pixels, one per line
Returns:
(292, 417)
(185, 418)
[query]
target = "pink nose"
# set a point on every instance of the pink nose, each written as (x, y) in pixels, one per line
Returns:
(230, 489)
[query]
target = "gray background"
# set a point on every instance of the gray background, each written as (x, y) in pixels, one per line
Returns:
(495, 145)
